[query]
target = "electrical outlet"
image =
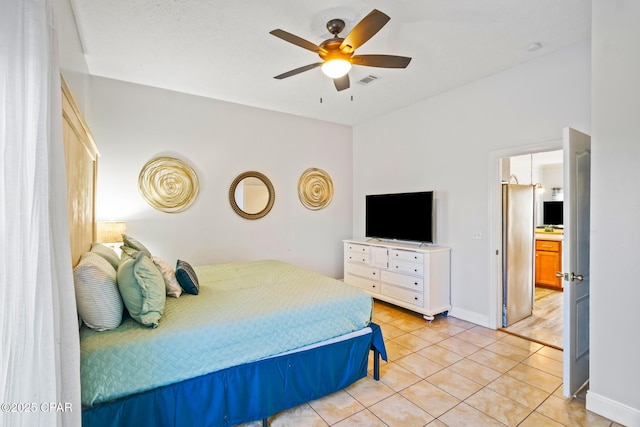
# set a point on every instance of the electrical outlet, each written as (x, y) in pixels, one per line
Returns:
(476, 235)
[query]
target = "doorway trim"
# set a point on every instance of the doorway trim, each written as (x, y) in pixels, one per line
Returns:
(495, 220)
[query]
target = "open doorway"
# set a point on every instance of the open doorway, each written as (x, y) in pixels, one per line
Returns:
(543, 315)
(575, 251)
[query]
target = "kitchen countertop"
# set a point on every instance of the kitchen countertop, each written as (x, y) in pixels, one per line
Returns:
(556, 234)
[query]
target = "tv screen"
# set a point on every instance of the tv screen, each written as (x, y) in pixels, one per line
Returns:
(400, 216)
(552, 213)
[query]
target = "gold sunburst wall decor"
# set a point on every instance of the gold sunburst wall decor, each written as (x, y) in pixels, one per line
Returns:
(168, 184)
(315, 189)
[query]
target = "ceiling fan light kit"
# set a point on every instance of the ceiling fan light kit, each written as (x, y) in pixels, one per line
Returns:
(337, 53)
(336, 68)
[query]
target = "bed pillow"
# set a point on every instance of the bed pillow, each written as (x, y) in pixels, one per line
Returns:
(126, 250)
(135, 244)
(107, 253)
(125, 256)
(142, 288)
(97, 297)
(169, 275)
(187, 277)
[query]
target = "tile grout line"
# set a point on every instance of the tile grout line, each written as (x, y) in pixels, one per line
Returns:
(521, 362)
(453, 328)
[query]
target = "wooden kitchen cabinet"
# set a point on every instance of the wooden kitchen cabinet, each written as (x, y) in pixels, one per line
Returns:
(548, 262)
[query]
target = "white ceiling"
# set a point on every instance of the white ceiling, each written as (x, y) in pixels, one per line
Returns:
(222, 49)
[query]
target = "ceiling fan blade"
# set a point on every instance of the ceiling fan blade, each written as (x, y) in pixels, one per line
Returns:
(342, 83)
(383, 61)
(364, 30)
(298, 71)
(298, 41)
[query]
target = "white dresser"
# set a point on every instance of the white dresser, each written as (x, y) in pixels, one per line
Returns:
(414, 277)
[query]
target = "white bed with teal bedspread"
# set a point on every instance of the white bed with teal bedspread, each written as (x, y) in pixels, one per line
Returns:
(262, 333)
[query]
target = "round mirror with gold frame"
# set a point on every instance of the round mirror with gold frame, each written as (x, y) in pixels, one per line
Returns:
(251, 195)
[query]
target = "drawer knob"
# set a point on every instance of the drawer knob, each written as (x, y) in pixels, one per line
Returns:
(415, 298)
(415, 283)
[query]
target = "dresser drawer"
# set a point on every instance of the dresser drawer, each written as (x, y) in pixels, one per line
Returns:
(406, 267)
(407, 256)
(409, 282)
(362, 271)
(353, 247)
(357, 257)
(416, 298)
(361, 282)
(548, 245)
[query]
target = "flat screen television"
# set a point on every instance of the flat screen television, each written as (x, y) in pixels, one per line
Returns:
(552, 213)
(400, 216)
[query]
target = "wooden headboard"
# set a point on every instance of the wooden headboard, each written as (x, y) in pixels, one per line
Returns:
(81, 154)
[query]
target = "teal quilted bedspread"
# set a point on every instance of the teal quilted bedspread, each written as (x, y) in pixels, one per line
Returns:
(243, 313)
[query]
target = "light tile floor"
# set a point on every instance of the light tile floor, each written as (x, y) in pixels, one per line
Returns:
(450, 373)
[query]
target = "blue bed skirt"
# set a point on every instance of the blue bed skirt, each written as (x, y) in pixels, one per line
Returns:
(247, 392)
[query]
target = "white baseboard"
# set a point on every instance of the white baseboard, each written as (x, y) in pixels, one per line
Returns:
(470, 316)
(615, 411)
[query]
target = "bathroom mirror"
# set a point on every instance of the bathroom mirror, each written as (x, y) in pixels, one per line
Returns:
(251, 195)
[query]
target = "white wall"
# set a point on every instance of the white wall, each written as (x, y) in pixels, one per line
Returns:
(444, 144)
(520, 168)
(553, 177)
(615, 210)
(73, 65)
(133, 124)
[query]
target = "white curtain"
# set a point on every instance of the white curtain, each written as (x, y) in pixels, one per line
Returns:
(39, 357)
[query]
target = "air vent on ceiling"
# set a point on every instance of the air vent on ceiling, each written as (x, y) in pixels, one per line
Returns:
(365, 81)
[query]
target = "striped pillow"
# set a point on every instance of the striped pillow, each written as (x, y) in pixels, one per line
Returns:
(97, 296)
(187, 277)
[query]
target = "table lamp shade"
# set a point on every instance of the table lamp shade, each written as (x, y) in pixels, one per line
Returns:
(111, 231)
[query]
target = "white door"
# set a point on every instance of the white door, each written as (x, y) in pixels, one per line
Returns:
(575, 259)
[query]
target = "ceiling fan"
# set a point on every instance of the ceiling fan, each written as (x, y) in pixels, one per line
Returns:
(337, 53)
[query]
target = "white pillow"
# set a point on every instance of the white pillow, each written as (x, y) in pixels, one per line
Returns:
(169, 275)
(97, 296)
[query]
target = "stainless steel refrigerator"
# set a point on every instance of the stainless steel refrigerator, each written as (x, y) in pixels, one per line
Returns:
(518, 252)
